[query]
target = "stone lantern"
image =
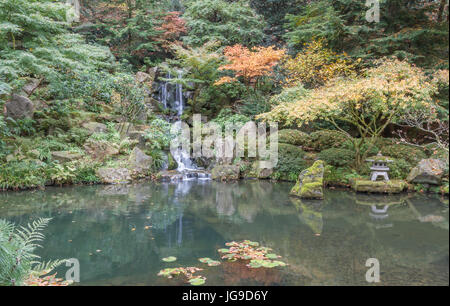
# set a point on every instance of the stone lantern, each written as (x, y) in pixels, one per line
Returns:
(379, 167)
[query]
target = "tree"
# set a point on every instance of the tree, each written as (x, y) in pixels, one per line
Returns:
(369, 103)
(222, 21)
(315, 65)
(200, 70)
(35, 41)
(408, 29)
(250, 64)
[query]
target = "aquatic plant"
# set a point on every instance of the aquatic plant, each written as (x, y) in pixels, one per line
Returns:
(259, 256)
(169, 259)
(188, 272)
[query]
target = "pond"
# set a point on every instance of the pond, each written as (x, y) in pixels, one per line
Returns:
(120, 233)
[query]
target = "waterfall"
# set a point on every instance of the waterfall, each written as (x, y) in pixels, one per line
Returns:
(179, 92)
(173, 99)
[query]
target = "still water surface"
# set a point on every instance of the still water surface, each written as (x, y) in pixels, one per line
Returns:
(120, 233)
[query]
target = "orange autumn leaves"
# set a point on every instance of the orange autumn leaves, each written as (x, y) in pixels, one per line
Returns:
(250, 64)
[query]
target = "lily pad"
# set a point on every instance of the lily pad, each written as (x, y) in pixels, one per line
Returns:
(272, 256)
(169, 259)
(223, 250)
(213, 263)
(204, 260)
(197, 281)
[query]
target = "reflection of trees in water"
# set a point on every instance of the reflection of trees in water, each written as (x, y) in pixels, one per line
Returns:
(199, 217)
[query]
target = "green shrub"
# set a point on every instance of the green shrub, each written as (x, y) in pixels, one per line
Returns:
(339, 175)
(158, 134)
(293, 137)
(227, 117)
(400, 169)
(337, 157)
(290, 163)
(326, 139)
(412, 155)
(22, 175)
(350, 146)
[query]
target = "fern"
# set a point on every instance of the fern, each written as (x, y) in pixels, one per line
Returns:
(17, 258)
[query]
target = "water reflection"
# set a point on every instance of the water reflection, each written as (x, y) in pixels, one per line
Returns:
(324, 242)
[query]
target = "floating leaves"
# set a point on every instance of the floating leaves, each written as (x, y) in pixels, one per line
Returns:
(197, 281)
(50, 280)
(169, 259)
(259, 256)
(186, 271)
(210, 262)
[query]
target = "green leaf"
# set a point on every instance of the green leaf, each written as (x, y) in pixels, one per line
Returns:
(169, 259)
(197, 281)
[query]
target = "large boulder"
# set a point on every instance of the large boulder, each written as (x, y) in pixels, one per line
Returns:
(428, 171)
(139, 162)
(94, 127)
(225, 172)
(19, 107)
(65, 156)
(113, 176)
(101, 149)
(392, 186)
(310, 182)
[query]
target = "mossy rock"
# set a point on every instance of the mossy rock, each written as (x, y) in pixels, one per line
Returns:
(258, 170)
(290, 163)
(172, 163)
(310, 182)
(326, 139)
(337, 157)
(392, 186)
(225, 172)
(411, 154)
(293, 137)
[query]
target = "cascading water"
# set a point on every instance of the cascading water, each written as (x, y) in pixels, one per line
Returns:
(176, 103)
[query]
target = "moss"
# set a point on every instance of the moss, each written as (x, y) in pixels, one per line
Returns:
(172, 164)
(310, 182)
(293, 137)
(392, 186)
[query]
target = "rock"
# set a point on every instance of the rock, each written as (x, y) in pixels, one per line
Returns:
(171, 162)
(94, 127)
(113, 176)
(310, 182)
(140, 137)
(225, 172)
(65, 156)
(19, 107)
(124, 128)
(100, 149)
(260, 171)
(392, 186)
(428, 171)
(170, 176)
(140, 162)
(142, 77)
(31, 86)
